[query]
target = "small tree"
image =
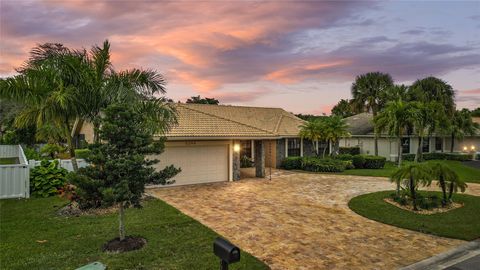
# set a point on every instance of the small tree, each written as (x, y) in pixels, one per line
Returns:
(120, 170)
(312, 130)
(447, 179)
(334, 128)
(200, 100)
(410, 177)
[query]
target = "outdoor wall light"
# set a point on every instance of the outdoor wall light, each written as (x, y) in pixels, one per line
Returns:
(226, 251)
(465, 148)
(473, 148)
(236, 147)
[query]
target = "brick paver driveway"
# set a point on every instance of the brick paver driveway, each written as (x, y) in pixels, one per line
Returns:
(302, 221)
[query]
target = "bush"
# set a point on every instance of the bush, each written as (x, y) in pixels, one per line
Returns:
(358, 161)
(31, 153)
(440, 156)
(348, 164)
(323, 165)
(344, 157)
(292, 163)
(350, 150)
(51, 150)
(82, 153)
(46, 179)
(374, 162)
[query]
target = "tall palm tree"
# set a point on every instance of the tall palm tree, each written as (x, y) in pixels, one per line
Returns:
(334, 128)
(312, 130)
(411, 176)
(432, 89)
(102, 86)
(462, 125)
(446, 177)
(47, 89)
(368, 93)
(428, 119)
(395, 120)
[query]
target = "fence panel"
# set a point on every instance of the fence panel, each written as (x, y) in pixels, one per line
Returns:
(14, 178)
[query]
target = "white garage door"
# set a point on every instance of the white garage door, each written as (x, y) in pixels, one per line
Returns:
(199, 164)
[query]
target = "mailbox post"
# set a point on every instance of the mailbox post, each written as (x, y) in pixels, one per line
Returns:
(226, 251)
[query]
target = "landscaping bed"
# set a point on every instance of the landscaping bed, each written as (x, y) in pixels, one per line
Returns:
(461, 223)
(34, 236)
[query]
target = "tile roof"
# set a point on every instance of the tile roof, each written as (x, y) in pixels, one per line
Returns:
(202, 120)
(360, 124)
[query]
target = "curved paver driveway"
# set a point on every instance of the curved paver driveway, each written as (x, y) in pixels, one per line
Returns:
(302, 221)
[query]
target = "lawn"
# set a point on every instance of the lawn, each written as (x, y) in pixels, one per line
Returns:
(8, 161)
(466, 173)
(175, 241)
(462, 223)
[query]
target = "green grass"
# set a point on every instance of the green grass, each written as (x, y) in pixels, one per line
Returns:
(8, 161)
(466, 173)
(175, 241)
(461, 223)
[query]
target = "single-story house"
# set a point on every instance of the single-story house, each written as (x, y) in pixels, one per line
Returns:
(209, 141)
(362, 131)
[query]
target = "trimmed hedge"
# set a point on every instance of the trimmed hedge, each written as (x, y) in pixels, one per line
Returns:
(368, 162)
(314, 164)
(374, 162)
(82, 153)
(346, 157)
(440, 156)
(349, 150)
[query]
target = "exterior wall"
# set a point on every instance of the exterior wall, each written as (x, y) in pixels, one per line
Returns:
(280, 152)
(387, 147)
(309, 148)
(271, 153)
(87, 130)
(458, 145)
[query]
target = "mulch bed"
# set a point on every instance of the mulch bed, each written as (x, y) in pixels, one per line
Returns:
(128, 244)
(437, 210)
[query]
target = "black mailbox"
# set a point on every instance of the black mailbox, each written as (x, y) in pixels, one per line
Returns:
(226, 251)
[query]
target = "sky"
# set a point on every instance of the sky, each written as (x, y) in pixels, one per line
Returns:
(298, 55)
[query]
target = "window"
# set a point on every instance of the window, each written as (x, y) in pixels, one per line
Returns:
(322, 146)
(438, 144)
(246, 148)
(426, 145)
(405, 145)
(293, 147)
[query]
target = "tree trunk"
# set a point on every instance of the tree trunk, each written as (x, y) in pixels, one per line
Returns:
(452, 143)
(71, 149)
(96, 128)
(375, 139)
(400, 152)
(418, 156)
(444, 190)
(325, 148)
(414, 195)
(121, 221)
(450, 192)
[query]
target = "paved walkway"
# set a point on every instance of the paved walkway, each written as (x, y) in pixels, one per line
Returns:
(302, 221)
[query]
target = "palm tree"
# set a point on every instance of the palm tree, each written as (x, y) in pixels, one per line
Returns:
(334, 128)
(461, 125)
(102, 86)
(395, 119)
(46, 87)
(411, 176)
(446, 176)
(427, 121)
(433, 89)
(368, 94)
(312, 130)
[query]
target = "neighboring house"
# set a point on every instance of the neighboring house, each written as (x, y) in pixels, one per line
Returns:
(361, 127)
(209, 141)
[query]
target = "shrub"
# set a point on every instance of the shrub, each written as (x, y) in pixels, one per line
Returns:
(51, 150)
(349, 150)
(31, 153)
(323, 165)
(82, 153)
(358, 161)
(344, 157)
(46, 179)
(374, 162)
(292, 163)
(408, 157)
(348, 164)
(440, 156)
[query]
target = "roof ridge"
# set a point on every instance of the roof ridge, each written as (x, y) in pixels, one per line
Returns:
(223, 118)
(227, 105)
(278, 124)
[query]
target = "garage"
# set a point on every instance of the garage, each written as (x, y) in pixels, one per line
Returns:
(199, 163)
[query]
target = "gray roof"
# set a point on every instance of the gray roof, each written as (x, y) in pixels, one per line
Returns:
(360, 124)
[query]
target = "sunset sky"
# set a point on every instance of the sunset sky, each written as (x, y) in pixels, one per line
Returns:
(298, 55)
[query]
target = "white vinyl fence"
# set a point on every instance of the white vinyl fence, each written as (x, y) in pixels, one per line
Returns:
(64, 163)
(14, 178)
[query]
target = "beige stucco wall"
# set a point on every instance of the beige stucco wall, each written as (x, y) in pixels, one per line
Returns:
(386, 147)
(87, 130)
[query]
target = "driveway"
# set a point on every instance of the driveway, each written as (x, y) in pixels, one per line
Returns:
(302, 221)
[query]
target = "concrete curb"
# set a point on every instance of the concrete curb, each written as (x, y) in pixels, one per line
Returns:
(448, 258)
